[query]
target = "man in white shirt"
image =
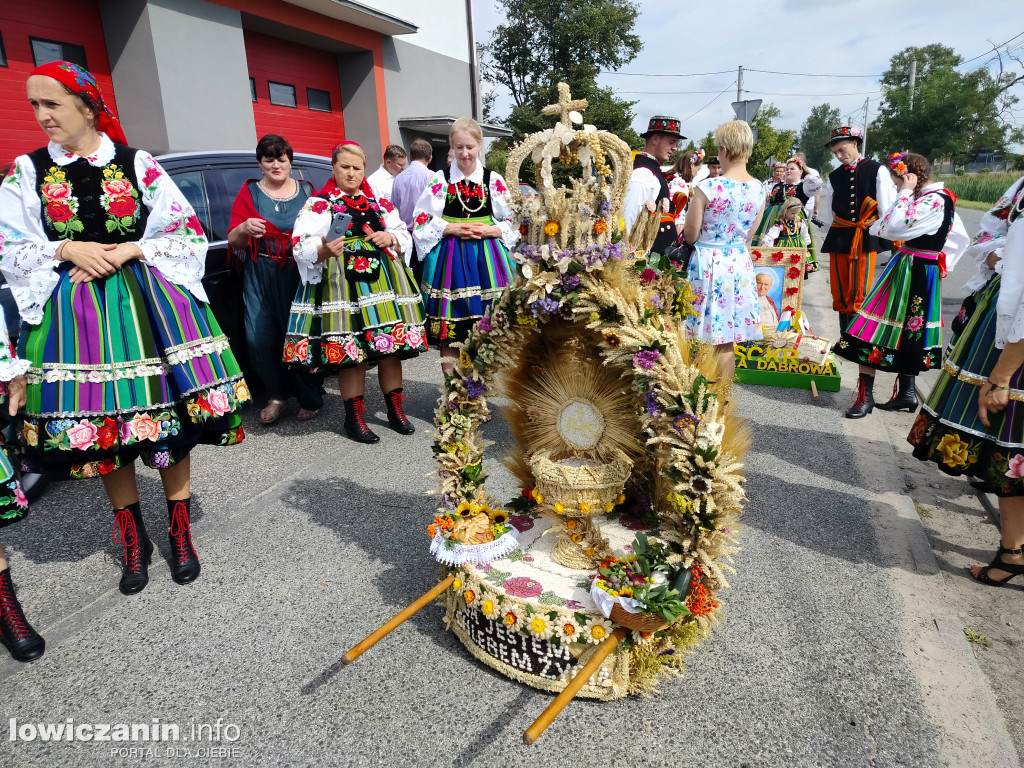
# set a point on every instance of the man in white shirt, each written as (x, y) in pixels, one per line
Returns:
(647, 185)
(382, 181)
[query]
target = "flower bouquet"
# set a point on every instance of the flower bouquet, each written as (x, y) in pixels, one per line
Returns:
(642, 591)
(474, 533)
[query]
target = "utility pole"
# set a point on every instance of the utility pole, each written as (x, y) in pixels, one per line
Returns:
(739, 84)
(913, 79)
(864, 145)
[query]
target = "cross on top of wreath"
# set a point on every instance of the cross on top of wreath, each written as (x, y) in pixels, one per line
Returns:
(565, 105)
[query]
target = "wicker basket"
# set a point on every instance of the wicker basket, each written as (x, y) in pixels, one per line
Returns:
(574, 481)
(639, 622)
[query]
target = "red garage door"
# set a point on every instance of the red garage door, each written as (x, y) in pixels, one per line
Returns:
(37, 32)
(297, 93)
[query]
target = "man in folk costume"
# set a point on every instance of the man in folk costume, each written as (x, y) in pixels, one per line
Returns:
(861, 191)
(648, 185)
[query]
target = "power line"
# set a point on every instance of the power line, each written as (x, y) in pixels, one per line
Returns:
(813, 95)
(657, 74)
(665, 93)
(690, 117)
(993, 49)
(805, 74)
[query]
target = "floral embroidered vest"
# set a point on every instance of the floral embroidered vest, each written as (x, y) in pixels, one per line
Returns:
(84, 202)
(473, 195)
(937, 240)
(363, 210)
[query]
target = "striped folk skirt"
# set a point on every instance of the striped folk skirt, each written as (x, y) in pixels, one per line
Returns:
(899, 326)
(123, 367)
(948, 431)
(461, 278)
(341, 321)
(13, 504)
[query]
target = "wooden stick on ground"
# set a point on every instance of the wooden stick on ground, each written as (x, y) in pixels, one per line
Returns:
(814, 389)
(569, 692)
(394, 621)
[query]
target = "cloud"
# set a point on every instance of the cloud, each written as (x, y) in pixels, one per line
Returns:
(825, 36)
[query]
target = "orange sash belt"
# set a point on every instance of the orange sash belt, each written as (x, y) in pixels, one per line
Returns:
(868, 216)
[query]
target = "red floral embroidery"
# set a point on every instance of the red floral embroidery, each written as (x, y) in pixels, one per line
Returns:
(319, 206)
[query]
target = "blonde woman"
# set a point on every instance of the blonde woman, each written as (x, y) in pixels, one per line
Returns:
(463, 230)
(723, 211)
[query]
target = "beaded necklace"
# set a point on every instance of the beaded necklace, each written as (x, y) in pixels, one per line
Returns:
(462, 201)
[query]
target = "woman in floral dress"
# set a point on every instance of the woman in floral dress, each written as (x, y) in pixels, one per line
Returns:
(973, 421)
(105, 258)
(17, 635)
(357, 303)
(899, 326)
(723, 212)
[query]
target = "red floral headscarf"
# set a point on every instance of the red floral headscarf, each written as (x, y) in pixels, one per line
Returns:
(82, 83)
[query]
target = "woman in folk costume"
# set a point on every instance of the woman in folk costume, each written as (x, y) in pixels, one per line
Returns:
(778, 171)
(899, 326)
(463, 232)
(973, 421)
(796, 183)
(17, 635)
(357, 304)
(685, 172)
(105, 258)
(986, 251)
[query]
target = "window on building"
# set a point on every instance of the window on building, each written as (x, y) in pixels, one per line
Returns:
(282, 94)
(252, 88)
(45, 51)
(319, 101)
(3, 53)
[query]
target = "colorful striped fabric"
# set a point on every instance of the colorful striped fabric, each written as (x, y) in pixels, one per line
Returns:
(948, 430)
(125, 366)
(341, 322)
(460, 280)
(899, 325)
(13, 504)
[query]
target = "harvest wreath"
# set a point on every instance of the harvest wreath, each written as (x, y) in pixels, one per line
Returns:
(622, 445)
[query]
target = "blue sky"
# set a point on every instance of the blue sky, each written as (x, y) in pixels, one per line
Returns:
(849, 37)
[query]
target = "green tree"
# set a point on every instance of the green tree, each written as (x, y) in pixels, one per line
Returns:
(708, 144)
(815, 134)
(545, 42)
(955, 114)
(771, 142)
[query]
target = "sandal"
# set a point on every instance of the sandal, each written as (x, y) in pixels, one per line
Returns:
(306, 415)
(1014, 569)
(272, 412)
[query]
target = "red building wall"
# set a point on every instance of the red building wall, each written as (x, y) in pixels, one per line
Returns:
(65, 21)
(270, 58)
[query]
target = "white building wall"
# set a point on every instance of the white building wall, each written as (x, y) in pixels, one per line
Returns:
(441, 23)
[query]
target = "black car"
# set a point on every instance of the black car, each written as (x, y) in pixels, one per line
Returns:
(210, 181)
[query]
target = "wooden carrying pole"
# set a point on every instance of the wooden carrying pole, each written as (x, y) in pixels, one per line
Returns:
(394, 621)
(569, 692)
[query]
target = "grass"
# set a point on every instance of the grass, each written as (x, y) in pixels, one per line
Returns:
(980, 187)
(977, 638)
(978, 206)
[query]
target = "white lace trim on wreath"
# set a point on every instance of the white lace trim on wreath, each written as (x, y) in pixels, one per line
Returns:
(460, 554)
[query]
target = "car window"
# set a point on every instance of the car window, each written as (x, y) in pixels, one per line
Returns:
(316, 174)
(193, 186)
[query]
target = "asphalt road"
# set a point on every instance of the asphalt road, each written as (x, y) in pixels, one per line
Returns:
(309, 541)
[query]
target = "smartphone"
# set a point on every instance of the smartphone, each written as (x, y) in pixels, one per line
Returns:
(339, 226)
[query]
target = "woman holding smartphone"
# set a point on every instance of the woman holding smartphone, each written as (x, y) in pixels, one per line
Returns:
(357, 303)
